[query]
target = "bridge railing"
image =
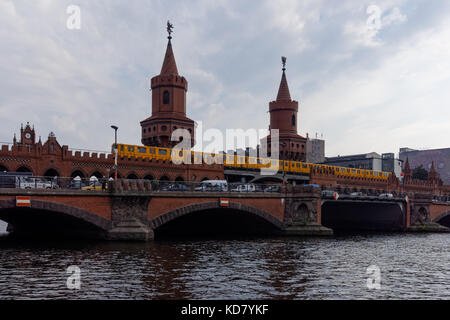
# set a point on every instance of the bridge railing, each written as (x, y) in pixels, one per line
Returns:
(29, 182)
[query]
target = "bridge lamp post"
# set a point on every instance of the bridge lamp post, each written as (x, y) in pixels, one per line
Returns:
(115, 150)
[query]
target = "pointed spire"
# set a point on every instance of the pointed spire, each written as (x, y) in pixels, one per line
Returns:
(407, 167)
(432, 169)
(283, 91)
(169, 65)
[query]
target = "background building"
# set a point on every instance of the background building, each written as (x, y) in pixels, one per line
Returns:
(315, 150)
(368, 161)
(440, 157)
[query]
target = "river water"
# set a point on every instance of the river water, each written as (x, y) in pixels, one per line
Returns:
(412, 266)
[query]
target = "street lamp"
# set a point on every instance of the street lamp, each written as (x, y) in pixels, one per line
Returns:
(115, 150)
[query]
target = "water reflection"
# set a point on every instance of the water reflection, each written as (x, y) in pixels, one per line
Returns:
(413, 266)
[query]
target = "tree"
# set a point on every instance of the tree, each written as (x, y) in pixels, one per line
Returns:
(420, 173)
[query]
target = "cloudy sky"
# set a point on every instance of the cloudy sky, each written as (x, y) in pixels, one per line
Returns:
(369, 75)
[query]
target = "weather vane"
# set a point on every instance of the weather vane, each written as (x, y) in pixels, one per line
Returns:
(283, 61)
(169, 29)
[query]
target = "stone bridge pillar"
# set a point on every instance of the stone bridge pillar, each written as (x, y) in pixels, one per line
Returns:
(420, 220)
(129, 218)
(302, 215)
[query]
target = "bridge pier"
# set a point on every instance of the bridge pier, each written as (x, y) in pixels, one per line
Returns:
(129, 219)
(303, 214)
(420, 219)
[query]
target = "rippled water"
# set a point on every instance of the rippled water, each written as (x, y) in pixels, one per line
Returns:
(413, 266)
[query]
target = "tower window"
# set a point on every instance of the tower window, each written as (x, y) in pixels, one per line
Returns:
(293, 120)
(52, 147)
(166, 97)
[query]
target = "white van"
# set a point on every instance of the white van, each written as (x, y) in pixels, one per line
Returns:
(244, 188)
(213, 185)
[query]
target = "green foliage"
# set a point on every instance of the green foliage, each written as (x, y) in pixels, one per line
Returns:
(420, 173)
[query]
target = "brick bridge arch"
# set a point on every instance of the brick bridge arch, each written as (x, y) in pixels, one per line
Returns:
(441, 217)
(179, 212)
(54, 207)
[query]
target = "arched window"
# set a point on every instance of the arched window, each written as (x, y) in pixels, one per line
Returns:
(166, 97)
(293, 120)
(52, 147)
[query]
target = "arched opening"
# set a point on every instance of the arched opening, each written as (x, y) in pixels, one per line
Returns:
(293, 120)
(303, 214)
(179, 179)
(51, 173)
(96, 174)
(47, 224)
(3, 168)
(164, 178)
(149, 177)
(205, 179)
(78, 173)
(444, 219)
(24, 169)
(362, 216)
(217, 222)
(166, 97)
(132, 176)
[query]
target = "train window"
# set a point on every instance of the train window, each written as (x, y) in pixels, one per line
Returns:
(298, 165)
(375, 174)
(152, 150)
(359, 171)
(353, 171)
(130, 149)
(142, 150)
(342, 170)
(304, 166)
(121, 148)
(162, 151)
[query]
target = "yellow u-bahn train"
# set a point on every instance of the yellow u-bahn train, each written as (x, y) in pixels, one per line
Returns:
(240, 161)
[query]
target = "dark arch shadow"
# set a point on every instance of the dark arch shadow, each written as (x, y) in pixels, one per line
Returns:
(51, 172)
(132, 176)
(362, 216)
(24, 169)
(78, 173)
(3, 168)
(211, 219)
(51, 218)
(443, 219)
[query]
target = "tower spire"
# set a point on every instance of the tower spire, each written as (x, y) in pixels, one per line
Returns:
(169, 65)
(283, 91)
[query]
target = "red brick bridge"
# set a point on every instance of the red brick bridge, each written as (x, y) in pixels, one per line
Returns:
(133, 211)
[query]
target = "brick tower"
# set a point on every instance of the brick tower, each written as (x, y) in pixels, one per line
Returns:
(283, 116)
(168, 104)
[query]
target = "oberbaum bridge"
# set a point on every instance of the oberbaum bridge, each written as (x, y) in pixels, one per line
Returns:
(133, 209)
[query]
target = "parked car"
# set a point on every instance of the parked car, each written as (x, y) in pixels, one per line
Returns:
(273, 188)
(35, 183)
(213, 186)
(95, 186)
(176, 187)
(329, 194)
(386, 196)
(356, 194)
(244, 188)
